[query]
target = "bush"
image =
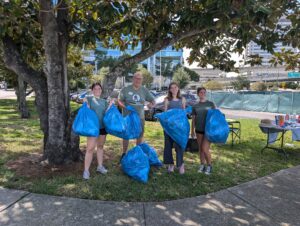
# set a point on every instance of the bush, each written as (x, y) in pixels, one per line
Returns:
(241, 83)
(259, 86)
(213, 85)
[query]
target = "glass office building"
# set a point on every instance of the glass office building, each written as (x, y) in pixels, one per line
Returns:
(155, 64)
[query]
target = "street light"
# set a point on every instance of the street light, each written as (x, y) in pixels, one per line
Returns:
(160, 70)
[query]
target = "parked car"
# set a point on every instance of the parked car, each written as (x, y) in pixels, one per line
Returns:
(79, 96)
(156, 93)
(191, 100)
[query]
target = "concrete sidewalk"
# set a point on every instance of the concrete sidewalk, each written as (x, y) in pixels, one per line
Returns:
(237, 114)
(271, 200)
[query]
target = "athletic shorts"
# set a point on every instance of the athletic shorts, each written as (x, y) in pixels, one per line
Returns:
(102, 131)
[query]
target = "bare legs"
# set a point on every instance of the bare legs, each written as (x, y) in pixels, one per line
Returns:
(126, 143)
(92, 143)
(204, 146)
(100, 145)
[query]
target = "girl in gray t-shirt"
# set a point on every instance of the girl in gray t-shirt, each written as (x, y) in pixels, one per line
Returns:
(198, 129)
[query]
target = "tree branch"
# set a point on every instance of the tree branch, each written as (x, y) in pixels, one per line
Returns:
(156, 47)
(15, 63)
(110, 79)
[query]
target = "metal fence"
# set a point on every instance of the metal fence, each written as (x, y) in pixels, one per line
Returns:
(276, 102)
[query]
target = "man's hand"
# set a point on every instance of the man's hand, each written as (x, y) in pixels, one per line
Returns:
(121, 104)
(150, 105)
(111, 102)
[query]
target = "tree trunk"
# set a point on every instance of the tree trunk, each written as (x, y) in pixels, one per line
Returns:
(21, 97)
(60, 146)
(38, 82)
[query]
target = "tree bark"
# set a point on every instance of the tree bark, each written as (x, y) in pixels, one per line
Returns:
(55, 41)
(38, 82)
(21, 98)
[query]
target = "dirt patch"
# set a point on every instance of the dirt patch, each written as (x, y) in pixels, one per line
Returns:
(31, 166)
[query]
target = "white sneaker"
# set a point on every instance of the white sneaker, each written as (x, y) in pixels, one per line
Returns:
(102, 170)
(86, 175)
(202, 168)
(208, 170)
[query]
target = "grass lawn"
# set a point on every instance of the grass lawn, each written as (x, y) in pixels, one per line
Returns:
(21, 143)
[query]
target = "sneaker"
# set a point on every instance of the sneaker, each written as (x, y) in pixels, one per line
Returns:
(202, 168)
(102, 170)
(181, 169)
(86, 175)
(208, 170)
(170, 168)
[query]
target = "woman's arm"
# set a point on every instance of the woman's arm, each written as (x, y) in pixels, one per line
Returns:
(111, 102)
(183, 103)
(193, 127)
(85, 100)
(166, 102)
(214, 106)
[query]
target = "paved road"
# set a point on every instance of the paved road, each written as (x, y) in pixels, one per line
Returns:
(236, 114)
(271, 200)
(9, 94)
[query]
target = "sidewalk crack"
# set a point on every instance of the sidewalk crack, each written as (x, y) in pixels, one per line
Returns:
(22, 197)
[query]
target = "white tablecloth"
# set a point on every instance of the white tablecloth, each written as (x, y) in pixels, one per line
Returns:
(295, 128)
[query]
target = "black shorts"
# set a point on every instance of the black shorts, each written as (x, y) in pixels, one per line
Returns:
(200, 132)
(102, 132)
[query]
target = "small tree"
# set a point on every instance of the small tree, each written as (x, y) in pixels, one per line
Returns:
(259, 86)
(181, 77)
(100, 76)
(241, 83)
(213, 85)
(167, 68)
(147, 77)
(193, 75)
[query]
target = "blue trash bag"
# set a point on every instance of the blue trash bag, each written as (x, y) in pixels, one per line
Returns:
(86, 122)
(132, 124)
(136, 164)
(114, 121)
(151, 153)
(189, 110)
(175, 123)
(216, 127)
(128, 127)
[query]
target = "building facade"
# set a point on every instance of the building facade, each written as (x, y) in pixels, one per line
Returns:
(254, 49)
(156, 64)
